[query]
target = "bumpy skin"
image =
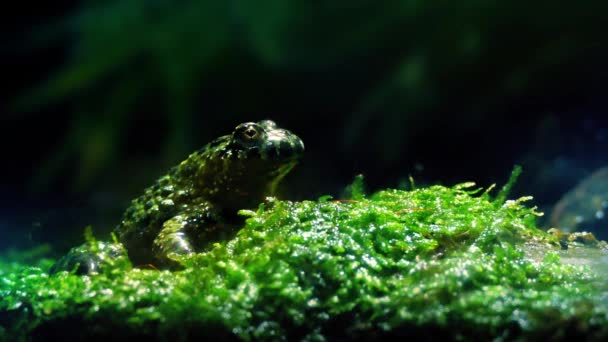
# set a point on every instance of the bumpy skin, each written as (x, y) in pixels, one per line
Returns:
(196, 203)
(200, 197)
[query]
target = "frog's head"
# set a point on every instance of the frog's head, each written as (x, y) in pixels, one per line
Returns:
(244, 167)
(265, 141)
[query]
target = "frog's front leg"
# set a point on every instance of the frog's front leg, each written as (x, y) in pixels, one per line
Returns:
(173, 240)
(186, 233)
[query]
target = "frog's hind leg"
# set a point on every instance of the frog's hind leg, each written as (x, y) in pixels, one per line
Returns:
(92, 257)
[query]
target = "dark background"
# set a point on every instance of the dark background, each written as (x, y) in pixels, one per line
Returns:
(99, 98)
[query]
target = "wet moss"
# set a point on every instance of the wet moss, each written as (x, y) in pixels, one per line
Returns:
(437, 261)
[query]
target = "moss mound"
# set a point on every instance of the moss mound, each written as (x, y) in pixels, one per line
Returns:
(438, 261)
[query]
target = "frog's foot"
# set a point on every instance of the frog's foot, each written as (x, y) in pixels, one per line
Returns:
(172, 241)
(191, 232)
(91, 258)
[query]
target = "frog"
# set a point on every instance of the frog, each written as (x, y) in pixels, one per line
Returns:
(197, 203)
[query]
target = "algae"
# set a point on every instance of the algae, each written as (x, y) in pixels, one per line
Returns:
(448, 262)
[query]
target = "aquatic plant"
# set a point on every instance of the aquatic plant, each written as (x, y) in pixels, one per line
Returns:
(451, 262)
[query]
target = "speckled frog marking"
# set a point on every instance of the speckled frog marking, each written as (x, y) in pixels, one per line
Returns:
(196, 203)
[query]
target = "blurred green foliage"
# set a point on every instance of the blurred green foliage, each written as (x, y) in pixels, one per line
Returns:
(415, 65)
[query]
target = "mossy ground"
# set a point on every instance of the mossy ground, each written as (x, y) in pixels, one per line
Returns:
(431, 262)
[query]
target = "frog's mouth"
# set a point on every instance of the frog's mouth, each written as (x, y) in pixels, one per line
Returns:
(281, 145)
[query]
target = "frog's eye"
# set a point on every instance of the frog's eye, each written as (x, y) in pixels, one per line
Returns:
(250, 133)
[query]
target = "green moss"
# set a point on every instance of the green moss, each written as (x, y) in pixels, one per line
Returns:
(437, 260)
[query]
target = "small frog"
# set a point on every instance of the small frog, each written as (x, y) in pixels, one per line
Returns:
(196, 203)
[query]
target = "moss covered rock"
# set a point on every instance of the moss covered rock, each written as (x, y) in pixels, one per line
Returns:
(438, 261)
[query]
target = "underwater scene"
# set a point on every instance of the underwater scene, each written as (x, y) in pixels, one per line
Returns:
(304, 170)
